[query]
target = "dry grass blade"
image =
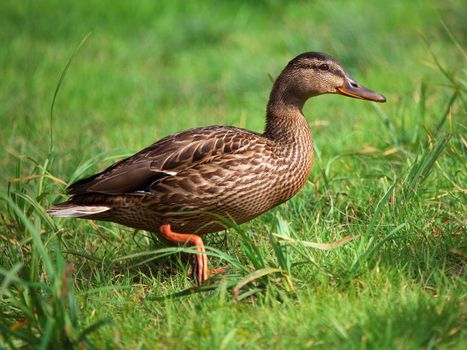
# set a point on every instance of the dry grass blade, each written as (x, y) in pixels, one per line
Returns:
(322, 246)
(32, 177)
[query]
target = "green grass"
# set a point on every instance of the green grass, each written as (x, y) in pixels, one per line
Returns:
(393, 176)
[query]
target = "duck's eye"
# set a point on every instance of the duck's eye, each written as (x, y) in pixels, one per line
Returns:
(324, 66)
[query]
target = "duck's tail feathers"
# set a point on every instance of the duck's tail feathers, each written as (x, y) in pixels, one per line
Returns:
(71, 210)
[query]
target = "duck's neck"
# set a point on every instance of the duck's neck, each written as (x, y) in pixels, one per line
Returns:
(284, 118)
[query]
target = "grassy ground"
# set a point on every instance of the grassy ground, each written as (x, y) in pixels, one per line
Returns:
(393, 176)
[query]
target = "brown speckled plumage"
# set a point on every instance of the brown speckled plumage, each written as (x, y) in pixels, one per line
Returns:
(229, 172)
(189, 179)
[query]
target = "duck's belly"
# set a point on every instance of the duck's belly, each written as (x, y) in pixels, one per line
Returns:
(225, 215)
(222, 210)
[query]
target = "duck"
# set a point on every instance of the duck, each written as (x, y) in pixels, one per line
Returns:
(184, 185)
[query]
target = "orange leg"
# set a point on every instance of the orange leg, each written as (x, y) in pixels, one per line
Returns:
(200, 265)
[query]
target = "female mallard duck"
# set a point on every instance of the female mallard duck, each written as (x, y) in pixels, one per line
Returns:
(179, 186)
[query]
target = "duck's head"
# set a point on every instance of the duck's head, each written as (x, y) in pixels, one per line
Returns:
(316, 73)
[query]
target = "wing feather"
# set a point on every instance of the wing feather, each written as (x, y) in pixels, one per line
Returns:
(164, 158)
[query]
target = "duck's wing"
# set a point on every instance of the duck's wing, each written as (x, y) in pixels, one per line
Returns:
(167, 157)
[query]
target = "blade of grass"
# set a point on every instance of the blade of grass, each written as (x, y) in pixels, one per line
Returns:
(254, 276)
(321, 246)
(59, 84)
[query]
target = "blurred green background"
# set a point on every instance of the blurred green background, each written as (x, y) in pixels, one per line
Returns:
(151, 68)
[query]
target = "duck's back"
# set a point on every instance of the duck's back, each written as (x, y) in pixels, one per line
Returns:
(167, 157)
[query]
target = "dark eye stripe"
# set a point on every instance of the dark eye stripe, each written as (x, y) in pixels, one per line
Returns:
(322, 66)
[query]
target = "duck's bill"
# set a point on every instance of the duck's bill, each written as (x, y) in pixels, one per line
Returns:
(353, 89)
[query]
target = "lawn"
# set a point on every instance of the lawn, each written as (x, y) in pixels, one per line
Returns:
(391, 176)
